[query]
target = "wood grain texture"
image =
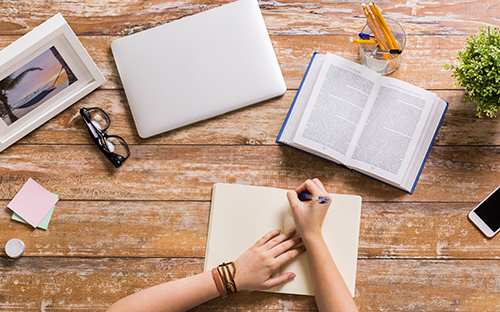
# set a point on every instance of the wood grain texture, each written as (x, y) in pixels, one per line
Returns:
(82, 284)
(184, 172)
(98, 17)
(423, 63)
(117, 231)
(179, 229)
(258, 124)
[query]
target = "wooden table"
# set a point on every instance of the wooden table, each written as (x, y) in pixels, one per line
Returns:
(116, 231)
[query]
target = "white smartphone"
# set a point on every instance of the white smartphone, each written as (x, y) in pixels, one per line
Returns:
(486, 216)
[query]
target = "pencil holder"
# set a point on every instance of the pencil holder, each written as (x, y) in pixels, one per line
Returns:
(375, 59)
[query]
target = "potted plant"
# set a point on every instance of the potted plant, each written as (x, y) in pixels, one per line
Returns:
(477, 69)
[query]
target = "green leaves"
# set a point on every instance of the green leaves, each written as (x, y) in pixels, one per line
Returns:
(477, 69)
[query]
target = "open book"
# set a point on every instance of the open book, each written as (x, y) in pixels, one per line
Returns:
(380, 126)
(242, 214)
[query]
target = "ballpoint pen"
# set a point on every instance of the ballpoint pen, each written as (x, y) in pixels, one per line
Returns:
(365, 36)
(320, 199)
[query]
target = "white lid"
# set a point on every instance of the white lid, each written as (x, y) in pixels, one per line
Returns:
(14, 248)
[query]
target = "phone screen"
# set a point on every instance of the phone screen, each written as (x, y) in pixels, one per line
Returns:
(489, 211)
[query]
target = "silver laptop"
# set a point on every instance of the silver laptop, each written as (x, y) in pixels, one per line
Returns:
(198, 67)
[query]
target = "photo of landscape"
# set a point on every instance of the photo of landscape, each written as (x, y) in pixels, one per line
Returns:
(33, 84)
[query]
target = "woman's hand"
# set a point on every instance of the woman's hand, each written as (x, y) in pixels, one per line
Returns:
(330, 290)
(256, 265)
(308, 215)
(259, 262)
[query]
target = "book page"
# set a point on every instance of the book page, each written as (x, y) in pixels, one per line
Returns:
(335, 107)
(302, 283)
(424, 143)
(392, 129)
(239, 216)
(299, 104)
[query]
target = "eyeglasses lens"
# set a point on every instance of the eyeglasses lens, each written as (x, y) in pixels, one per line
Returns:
(99, 119)
(116, 145)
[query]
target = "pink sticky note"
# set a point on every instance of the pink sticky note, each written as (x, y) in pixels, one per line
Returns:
(32, 202)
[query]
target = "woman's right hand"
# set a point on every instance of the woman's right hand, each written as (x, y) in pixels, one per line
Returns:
(308, 215)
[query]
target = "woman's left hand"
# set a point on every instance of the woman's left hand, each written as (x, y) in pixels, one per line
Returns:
(256, 265)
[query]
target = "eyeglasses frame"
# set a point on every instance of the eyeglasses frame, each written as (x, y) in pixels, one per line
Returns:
(116, 159)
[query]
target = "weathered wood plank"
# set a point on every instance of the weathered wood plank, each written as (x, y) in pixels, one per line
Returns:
(115, 229)
(428, 285)
(423, 59)
(49, 284)
(289, 17)
(422, 64)
(179, 229)
(451, 173)
(53, 284)
(255, 125)
(258, 124)
(422, 231)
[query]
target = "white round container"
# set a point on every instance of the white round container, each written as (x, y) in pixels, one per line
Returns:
(14, 248)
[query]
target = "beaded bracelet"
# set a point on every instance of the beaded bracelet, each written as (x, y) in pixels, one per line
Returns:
(225, 279)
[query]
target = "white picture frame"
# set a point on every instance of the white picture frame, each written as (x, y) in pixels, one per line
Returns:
(29, 85)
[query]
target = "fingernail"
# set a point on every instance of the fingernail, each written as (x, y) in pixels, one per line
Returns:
(292, 275)
(291, 231)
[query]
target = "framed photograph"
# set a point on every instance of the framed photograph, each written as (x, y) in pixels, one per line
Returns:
(41, 74)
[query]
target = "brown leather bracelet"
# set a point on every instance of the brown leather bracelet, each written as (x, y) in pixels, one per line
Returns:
(227, 276)
(218, 283)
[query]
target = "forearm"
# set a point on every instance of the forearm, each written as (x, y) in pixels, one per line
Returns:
(255, 272)
(330, 290)
(179, 295)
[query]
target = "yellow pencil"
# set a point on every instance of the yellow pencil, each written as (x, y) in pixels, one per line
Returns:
(363, 41)
(370, 20)
(380, 24)
(383, 25)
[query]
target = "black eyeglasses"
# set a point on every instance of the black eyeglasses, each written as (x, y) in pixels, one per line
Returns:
(113, 146)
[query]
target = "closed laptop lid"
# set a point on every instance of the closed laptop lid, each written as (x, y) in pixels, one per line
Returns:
(198, 67)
